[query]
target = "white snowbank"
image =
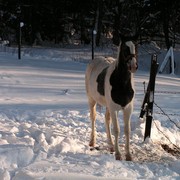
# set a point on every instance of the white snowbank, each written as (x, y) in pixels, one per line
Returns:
(45, 127)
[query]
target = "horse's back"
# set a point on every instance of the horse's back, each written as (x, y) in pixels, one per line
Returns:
(95, 74)
(100, 62)
(96, 66)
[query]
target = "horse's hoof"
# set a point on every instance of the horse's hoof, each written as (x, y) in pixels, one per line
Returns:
(111, 149)
(91, 143)
(118, 157)
(128, 158)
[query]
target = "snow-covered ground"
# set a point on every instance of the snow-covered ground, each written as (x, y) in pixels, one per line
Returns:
(45, 126)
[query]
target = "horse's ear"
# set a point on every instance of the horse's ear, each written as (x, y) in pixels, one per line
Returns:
(135, 37)
(122, 37)
(116, 38)
(129, 38)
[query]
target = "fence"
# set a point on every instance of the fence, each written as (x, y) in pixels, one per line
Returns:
(176, 149)
(162, 112)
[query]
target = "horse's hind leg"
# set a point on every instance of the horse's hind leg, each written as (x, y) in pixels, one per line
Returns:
(92, 106)
(108, 130)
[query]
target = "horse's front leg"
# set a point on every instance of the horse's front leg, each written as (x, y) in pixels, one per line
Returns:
(116, 130)
(108, 130)
(127, 128)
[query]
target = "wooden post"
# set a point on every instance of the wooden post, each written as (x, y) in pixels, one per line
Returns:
(147, 106)
(169, 56)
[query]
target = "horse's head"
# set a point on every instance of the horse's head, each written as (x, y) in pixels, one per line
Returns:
(128, 54)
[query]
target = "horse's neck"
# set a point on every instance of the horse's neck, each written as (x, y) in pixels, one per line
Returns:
(122, 73)
(121, 66)
(120, 60)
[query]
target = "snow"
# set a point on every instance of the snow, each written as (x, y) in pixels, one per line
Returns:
(45, 126)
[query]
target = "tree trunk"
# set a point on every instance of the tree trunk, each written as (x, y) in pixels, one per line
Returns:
(166, 18)
(116, 26)
(166, 33)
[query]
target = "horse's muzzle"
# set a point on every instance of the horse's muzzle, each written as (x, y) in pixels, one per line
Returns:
(134, 65)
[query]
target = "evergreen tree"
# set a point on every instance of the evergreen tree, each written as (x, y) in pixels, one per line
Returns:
(54, 20)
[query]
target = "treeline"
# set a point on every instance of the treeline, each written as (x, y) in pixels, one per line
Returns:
(69, 21)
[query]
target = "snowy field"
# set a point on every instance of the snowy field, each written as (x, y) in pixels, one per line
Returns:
(45, 126)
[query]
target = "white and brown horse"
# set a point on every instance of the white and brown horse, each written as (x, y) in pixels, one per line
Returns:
(109, 82)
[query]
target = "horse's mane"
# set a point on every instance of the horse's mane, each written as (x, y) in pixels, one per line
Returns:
(118, 54)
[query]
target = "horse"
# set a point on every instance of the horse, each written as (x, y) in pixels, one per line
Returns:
(109, 83)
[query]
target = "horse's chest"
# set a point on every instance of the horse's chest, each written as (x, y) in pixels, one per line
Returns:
(122, 92)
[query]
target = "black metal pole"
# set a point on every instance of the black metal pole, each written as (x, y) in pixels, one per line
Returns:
(92, 43)
(19, 42)
(19, 32)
